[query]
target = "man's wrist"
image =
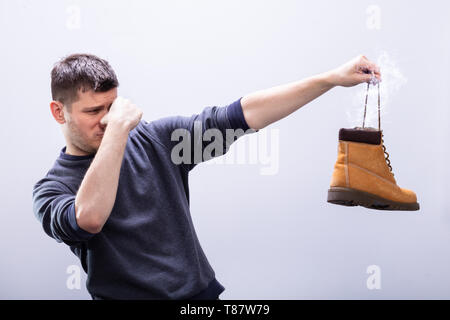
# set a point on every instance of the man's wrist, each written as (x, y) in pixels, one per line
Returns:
(329, 79)
(120, 126)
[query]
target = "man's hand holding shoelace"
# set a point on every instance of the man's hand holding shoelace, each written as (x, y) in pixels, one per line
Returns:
(356, 71)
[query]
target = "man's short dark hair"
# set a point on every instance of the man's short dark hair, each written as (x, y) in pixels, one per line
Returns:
(81, 72)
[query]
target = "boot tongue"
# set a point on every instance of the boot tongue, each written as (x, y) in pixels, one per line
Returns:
(358, 134)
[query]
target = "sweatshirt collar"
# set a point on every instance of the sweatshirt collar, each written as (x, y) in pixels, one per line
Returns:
(64, 155)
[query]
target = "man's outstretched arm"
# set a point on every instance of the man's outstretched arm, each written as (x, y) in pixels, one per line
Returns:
(261, 108)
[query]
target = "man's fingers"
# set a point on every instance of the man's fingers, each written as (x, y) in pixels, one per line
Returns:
(365, 77)
(104, 120)
(369, 68)
(369, 78)
(374, 68)
(117, 101)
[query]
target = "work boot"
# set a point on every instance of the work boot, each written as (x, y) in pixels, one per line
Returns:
(363, 175)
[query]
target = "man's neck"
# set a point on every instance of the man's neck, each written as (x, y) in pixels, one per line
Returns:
(74, 151)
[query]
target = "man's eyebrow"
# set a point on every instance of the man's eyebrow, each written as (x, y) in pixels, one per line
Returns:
(95, 108)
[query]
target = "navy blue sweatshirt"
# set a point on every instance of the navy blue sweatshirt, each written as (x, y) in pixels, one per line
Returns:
(148, 248)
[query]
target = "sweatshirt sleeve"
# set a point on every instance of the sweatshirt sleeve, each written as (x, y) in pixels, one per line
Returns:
(54, 207)
(201, 136)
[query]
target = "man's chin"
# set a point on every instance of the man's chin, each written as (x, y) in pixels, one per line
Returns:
(95, 148)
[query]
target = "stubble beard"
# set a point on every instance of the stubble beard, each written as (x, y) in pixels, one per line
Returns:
(79, 141)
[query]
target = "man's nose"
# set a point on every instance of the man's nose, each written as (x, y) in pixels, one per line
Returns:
(101, 123)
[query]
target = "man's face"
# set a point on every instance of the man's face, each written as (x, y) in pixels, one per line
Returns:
(84, 130)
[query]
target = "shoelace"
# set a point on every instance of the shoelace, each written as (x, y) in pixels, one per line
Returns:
(386, 154)
(379, 124)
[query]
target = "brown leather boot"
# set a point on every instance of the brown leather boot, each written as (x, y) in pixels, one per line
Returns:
(363, 176)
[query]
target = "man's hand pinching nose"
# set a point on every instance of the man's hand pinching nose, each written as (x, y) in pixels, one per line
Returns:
(123, 112)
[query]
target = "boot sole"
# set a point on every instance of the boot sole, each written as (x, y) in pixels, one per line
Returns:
(352, 197)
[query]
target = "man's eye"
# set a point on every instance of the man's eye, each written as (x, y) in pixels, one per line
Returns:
(93, 111)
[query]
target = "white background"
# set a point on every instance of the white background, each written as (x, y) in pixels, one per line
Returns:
(266, 236)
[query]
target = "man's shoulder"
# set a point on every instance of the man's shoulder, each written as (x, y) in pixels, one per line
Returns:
(160, 125)
(159, 130)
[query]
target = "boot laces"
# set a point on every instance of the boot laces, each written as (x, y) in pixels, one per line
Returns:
(379, 123)
(386, 154)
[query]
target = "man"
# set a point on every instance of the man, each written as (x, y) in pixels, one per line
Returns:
(116, 194)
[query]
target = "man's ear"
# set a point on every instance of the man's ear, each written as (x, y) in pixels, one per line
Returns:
(57, 109)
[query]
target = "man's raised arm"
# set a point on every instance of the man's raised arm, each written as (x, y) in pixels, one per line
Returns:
(97, 193)
(261, 108)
